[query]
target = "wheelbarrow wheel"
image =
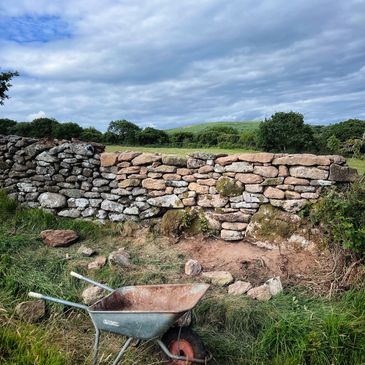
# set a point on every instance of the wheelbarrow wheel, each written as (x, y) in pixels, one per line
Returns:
(184, 342)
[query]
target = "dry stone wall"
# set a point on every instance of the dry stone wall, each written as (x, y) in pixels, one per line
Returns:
(80, 180)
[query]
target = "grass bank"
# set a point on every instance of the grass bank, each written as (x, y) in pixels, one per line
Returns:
(292, 329)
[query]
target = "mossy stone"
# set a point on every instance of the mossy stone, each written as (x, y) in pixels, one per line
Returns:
(228, 187)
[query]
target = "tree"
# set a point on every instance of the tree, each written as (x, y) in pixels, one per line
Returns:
(248, 139)
(7, 126)
(286, 132)
(91, 134)
(22, 129)
(67, 130)
(5, 78)
(43, 128)
(125, 131)
(153, 136)
(349, 129)
(334, 144)
(180, 139)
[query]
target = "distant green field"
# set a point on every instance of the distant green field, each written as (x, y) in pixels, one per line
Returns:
(196, 128)
(353, 162)
(173, 150)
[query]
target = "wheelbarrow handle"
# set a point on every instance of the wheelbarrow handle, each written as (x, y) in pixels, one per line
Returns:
(78, 276)
(56, 300)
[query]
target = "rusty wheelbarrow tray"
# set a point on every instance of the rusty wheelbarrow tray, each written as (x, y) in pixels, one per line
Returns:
(144, 312)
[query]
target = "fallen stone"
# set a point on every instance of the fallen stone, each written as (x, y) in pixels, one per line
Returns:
(98, 263)
(119, 257)
(239, 287)
(52, 200)
(193, 268)
(31, 311)
(86, 251)
(59, 237)
(92, 294)
(274, 285)
(221, 278)
(261, 293)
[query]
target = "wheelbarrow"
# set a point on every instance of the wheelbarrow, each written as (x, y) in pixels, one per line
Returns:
(146, 312)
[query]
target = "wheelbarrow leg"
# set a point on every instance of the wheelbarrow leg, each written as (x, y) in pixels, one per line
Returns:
(122, 350)
(96, 345)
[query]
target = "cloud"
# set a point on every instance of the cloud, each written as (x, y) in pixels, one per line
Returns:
(166, 63)
(40, 114)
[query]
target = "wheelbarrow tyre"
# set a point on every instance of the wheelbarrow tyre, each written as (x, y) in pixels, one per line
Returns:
(191, 345)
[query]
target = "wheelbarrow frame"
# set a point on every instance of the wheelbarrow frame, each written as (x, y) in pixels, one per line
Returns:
(105, 321)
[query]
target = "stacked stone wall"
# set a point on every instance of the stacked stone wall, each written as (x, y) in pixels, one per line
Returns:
(79, 180)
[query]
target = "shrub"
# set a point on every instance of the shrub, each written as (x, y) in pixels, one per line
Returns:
(342, 215)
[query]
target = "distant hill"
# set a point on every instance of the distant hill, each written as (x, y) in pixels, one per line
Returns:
(196, 128)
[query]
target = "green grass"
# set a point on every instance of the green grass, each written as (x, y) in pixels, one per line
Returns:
(174, 150)
(291, 329)
(196, 128)
(357, 164)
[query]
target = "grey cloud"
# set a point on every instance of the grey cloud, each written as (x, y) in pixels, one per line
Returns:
(171, 63)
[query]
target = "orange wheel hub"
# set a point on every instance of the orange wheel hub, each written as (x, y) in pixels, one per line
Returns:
(182, 348)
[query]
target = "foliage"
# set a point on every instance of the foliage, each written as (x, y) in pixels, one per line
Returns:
(348, 129)
(334, 144)
(67, 131)
(6, 126)
(91, 134)
(286, 132)
(342, 216)
(152, 136)
(180, 139)
(200, 127)
(125, 131)
(5, 79)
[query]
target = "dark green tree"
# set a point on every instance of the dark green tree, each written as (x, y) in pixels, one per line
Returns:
(67, 131)
(180, 139)
(43, 128)
(5, 78)
(333, 144)
(149, 136)
(91, 134)
(125, 131)
(7, 126)
(349, 129)
(286, 132)
(22, 129)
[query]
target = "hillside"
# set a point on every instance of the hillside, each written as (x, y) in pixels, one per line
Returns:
(196, 128)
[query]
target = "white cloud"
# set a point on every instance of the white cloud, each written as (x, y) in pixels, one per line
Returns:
(40, 114)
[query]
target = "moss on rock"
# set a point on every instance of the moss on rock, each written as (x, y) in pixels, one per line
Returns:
(228, 187)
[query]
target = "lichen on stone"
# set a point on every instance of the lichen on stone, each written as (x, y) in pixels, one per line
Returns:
(228, 187)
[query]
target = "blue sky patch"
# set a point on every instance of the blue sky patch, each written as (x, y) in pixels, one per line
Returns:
(27, 29)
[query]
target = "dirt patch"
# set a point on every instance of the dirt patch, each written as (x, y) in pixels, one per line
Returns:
(248, 262)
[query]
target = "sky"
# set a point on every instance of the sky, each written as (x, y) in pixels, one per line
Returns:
(164, 63)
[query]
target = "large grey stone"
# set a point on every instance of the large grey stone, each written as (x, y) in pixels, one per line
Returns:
(112, 206)
(308, 172)
(166, 201)
(343, 173)
(52, 200)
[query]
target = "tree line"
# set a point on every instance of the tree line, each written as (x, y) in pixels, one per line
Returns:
(283, 132)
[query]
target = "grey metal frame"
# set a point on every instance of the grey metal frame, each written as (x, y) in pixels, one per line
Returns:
(98, 331)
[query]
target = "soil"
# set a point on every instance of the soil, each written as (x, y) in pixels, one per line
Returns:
(251, 263)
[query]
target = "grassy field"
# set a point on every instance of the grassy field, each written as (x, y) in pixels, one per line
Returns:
(353, 162)
(196, 128)
(292, 329)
